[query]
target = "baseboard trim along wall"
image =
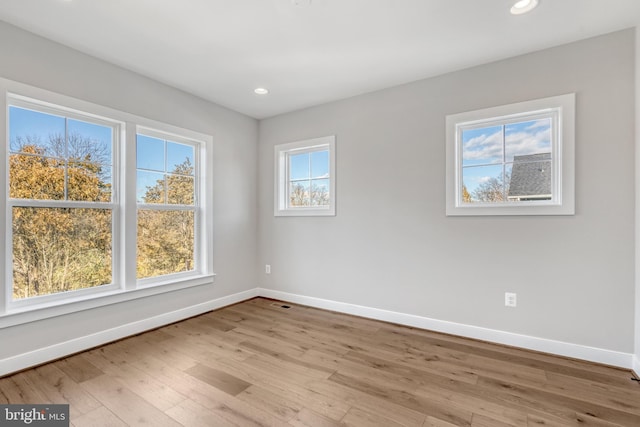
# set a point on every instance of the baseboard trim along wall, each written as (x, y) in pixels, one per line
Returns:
(46, 354)
(636, 366)
(576, 351)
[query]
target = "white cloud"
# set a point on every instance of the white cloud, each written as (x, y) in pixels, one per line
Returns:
(535, 138)
(485, 147)
(520, 143)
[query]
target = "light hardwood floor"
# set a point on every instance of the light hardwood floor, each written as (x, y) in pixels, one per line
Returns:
(258, 364)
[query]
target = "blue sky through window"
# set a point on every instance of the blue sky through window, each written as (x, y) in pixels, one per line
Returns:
(155, 158)
(485, 150)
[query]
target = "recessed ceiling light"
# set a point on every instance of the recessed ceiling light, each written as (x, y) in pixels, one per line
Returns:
(523, 6)
(261, 91)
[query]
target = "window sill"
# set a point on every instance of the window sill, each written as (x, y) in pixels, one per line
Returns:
(306, 212)
(33, 312)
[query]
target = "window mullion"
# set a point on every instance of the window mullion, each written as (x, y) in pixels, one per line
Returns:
(128, 210)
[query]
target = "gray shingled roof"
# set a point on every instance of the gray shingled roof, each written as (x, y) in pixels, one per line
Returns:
(531, 176)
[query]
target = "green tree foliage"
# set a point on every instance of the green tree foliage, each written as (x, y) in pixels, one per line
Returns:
(166, 237)
(58, 249)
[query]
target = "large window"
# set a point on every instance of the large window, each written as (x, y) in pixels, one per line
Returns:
(61, 200)
(512, 160)
(101, 206)
(305, 178)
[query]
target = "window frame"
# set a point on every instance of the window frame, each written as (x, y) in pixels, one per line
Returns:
(14, 100)
(282, 153)
(124, 286)
(195, 208)
(561, 109)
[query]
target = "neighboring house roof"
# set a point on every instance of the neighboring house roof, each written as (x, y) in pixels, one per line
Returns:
(531, 177)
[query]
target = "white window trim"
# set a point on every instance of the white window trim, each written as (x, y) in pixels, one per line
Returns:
(125, 286)
(281, 192)
(563, 159)
(200, 183)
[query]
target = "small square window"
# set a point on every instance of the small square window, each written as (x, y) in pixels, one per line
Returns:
(515, 159)
(305, 178)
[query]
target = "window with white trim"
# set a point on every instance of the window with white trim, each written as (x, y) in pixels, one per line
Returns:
(167, 203)
(61, 199)
(512, 160)
(305, 178)
(100, 206)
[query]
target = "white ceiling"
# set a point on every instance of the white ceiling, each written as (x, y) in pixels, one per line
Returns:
(221, 50)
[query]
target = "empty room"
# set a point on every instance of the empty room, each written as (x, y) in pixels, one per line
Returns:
(320, 213)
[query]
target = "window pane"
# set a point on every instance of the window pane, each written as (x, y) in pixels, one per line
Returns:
(60, 249)
(150, 153)
(320, 164)
(531, 178)
(88, 182)
(482, 146)
(150, 187)
(530, 137)
(89, 142)
(180, 158)
(180, 189)
(299, 166)
(36, 177)
(299, 193)
(165, 242)
(483, 184)
(320, 192)
(41, 132)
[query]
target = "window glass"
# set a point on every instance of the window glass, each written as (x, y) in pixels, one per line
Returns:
(514, 159)
(54, 158)
(166, 234)
(305, 178)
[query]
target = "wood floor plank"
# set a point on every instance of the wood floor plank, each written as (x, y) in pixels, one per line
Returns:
(223, 404)
(307, 418)
(19, 389)
(258, 364)
(60, 389)
(78, 368)
(356, 417)
(371, 403)
(99, 417)
(190, 413)
(127, 405)
(270, 402)
(407, 399)
(137, 381)
(288, 386)
(219, 379)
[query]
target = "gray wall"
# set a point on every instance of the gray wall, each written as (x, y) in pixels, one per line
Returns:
(637, 253)
(391, 245)
(33, 60)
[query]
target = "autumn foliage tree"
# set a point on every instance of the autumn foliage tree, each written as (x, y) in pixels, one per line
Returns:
(58, 249)
(166, 236)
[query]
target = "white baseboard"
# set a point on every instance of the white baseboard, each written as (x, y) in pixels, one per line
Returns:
(577, 351)
(636, 365)
(46, 354)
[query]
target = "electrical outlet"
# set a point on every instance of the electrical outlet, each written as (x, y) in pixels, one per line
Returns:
(510, 299)
(267, 269)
